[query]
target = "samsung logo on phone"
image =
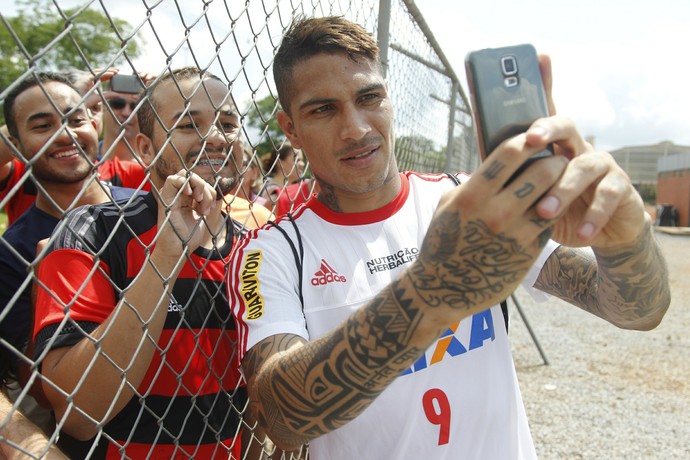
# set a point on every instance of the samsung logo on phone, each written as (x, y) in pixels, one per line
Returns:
(511, 102)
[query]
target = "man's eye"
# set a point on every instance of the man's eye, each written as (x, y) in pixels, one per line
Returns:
(371, 98)
(78, 121)
(323, 108)
(229, 127)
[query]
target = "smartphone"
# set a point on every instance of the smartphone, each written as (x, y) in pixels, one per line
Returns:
(507, 94)
(125, 84)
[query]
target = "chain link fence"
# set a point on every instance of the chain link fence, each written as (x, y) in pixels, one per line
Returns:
(191, 400)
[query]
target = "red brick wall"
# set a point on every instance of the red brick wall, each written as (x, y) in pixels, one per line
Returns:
(674, 189)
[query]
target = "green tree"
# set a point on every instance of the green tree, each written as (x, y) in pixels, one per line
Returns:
(41, 36)
(647, 192)
(261, 121)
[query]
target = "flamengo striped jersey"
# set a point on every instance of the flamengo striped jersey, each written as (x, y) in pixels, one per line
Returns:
(192, 403)
(460, 400)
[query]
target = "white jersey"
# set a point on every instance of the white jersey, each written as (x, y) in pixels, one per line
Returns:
(460, 400)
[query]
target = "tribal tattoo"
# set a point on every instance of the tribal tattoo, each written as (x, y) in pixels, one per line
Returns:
(328, 197)
(329, 382)
(623, 285)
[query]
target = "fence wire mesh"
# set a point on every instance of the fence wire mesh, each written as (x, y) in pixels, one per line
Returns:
(189, 399)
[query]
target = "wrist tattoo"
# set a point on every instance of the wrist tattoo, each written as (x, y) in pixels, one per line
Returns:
(489, 262)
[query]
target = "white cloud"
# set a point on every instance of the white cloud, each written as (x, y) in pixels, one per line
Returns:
(621, 70)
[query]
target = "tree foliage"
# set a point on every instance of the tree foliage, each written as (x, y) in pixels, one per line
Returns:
(261, 120)
(43, 37)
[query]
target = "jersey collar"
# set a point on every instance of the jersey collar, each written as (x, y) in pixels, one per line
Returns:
(363, 218)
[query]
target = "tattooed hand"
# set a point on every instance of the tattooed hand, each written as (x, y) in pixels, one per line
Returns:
(485, 235)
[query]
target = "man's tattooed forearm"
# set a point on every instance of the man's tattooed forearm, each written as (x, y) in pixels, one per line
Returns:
(626, 285)
(350, 368)
(638, 274)
(570, 274)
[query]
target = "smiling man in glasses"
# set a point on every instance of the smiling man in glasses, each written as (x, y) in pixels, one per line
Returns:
(120, 126)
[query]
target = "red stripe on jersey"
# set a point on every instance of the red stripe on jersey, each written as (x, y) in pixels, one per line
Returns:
(20, 200)
(228, 449)
(203, 363)
(93, 287)
(129, 174)
(362, 218)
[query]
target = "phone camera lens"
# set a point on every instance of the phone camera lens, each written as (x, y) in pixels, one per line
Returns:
(508, 65)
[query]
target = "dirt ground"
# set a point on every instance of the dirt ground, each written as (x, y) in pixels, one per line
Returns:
(608, 393)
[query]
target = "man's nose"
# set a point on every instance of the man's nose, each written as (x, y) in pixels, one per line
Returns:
(128, 109)
(353, 123)
(65, 136)
(218, 137)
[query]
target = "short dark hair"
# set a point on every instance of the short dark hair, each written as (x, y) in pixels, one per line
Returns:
(307, 37)
(282, 151)
(147, 113)
(78, 78)
(35, 79)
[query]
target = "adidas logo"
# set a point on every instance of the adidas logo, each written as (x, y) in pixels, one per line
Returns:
(174, 306)
(326, 275)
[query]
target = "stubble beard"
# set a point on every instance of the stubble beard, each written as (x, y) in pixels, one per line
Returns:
(74, 176)
(44, 173)
(222, 184)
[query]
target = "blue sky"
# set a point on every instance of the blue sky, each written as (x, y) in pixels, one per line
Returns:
(621, 68)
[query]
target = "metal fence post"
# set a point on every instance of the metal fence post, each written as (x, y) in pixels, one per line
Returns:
(383, 32)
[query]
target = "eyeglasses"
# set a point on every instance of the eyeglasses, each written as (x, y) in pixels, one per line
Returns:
(119, 103)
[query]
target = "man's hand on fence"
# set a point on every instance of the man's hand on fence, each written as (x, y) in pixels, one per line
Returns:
(189, 207)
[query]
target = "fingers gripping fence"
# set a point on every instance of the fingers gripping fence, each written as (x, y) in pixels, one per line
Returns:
(106, 349)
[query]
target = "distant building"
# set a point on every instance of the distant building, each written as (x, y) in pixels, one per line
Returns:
(640, 162)
(673, 184)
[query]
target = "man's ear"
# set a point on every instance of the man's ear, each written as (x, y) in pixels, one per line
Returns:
(288, 127)
(144, 148)
(15, 142)
(8, 142)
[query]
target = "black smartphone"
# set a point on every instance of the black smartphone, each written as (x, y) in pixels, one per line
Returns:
(507, 94)
(125, 84)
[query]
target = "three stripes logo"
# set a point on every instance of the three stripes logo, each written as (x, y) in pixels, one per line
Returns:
(326, 275)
